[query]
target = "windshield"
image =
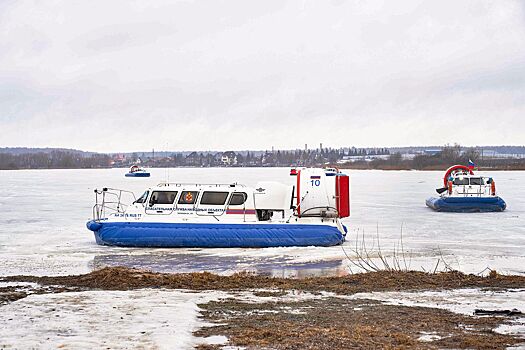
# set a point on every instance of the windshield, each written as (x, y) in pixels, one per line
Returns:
(476, 181)
(142, 198)
(461, 181)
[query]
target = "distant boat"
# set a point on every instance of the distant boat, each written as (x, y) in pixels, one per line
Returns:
(466, 192)
(269, 214)
(136, 171)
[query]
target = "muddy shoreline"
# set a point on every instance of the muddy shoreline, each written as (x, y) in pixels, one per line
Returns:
(330, 320)
(122, 278)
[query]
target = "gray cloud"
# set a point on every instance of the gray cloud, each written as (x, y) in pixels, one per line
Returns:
(236, 74)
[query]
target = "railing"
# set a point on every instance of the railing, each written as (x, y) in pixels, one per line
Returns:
(480, 190)
(109, 200)
(322, 212)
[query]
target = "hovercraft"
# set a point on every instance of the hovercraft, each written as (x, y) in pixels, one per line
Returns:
(136, 171)
(466, 192)
(270, 214)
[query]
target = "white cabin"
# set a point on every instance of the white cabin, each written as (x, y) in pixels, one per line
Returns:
(466, 185)
(318, 196)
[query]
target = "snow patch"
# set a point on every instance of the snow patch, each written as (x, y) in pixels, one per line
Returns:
(109, 319)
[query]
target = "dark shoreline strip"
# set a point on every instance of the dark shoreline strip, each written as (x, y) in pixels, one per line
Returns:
(121, 278)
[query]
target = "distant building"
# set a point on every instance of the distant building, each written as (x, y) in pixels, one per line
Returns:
(119, 157)
(432, 152)
(193, 159)
(118, 160)
(363, 158)
(229, 158)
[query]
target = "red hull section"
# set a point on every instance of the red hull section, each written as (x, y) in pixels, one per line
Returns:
(342, 192)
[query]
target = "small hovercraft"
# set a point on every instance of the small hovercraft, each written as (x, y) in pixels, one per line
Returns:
(136, 171)
(269, 214)
(465, 192)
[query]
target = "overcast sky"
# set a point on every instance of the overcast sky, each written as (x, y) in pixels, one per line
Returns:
(218, 75)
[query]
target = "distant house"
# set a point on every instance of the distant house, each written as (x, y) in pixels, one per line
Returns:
(119, 157)
(193, 159)
(229, 158)
(118, 160)
(267, 158)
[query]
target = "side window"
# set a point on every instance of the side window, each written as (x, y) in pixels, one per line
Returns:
(188, 197)
(143, 198)
(238, 198)
(162, 197)
(214, 198)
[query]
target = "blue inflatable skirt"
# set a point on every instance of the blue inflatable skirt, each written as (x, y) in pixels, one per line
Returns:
(137, 174)
(466, 204)
(148, 234)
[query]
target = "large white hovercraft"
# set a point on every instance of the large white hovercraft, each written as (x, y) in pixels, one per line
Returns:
(227, 215)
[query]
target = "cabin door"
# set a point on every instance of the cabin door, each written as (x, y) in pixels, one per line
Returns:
(212, 203)
(237, 207)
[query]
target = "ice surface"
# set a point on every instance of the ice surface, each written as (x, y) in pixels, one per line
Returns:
(428, 337)
(148, 319)
(18, 284)
(42, 226)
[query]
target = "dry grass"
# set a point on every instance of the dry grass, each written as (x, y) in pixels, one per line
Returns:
(334, 323)
(121, 278)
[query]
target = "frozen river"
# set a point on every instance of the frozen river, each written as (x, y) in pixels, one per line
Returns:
(42, 225)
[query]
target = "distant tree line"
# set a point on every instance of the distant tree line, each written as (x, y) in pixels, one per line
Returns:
(53, 160)
(353, 158)
(447, 156)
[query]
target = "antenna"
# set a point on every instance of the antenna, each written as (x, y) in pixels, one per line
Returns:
(167, 172)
